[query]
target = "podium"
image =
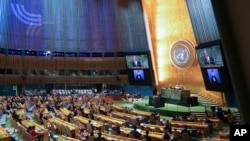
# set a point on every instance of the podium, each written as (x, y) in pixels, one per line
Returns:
(174, 93)
(156, 101)
(179, 97)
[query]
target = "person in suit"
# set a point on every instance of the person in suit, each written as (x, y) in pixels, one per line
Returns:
(15, 116)
(138, 76)
(186, 130)
(166, 134)
(100, 137)
(208, 60)
(35, 134)
(146, 137)
(135, 62)
(214, 78)
(135, 132)
(90, 126)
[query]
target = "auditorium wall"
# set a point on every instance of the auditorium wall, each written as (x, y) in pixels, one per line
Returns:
(168, 22)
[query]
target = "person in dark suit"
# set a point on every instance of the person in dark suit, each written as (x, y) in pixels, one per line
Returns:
(15, 116)
(146, 137)
(214, 78)
(166, 134)
(208, 60)
(186, 130)
(138, 76)
(135, 62)
(135, 132)
(100, 138)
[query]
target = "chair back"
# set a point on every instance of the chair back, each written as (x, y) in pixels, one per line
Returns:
(185, 137)
(131, 136)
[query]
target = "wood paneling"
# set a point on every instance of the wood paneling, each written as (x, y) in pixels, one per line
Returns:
(61, 63)
(10, 79)
(2, 61)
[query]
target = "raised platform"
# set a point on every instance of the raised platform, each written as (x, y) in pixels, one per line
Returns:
(168, 109)
(157, 101)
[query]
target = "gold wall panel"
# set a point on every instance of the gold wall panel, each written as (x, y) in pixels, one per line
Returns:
(168, 22)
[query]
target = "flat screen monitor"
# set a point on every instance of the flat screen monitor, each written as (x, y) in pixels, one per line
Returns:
(139, 75)
(138, 68)
(213, 67)
(213, 76)
(137, 61)
(210, 56)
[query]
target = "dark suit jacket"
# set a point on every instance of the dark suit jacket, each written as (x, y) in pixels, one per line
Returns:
(15, 116)
(136, 65)
(135, 133)
(214, 79)
(210, 62)
(138, 77)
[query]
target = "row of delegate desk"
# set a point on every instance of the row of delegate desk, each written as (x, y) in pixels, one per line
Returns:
(40, 128)
(133, 114)
(4, 135)
(99, 125)
(57, 121)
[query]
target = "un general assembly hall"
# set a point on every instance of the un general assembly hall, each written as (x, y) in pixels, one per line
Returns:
(118, 70)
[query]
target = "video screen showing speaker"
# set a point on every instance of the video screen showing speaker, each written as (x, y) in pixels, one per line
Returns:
(213, 67)
(140, 77)
(210, 55)
(137, 61)
(139, 68)
(214, 76)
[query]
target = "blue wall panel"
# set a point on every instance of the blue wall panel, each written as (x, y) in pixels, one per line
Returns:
(72, 25)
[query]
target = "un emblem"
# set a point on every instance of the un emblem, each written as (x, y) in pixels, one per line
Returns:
(182, 54)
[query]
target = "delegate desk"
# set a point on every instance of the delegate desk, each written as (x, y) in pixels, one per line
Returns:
(215, 121)
(21, 113)
(64, 138)
(198, 125)
(4, 135)
(121, 115)
(142, 113)
(86, 111)
(85, 121)
(71, 126)
(156, 135)
(153, 126)
(117, 107)
(111, 137)
(40, 128)
(214, 139)
(65, 111)
(60, 114)
(111, 119)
